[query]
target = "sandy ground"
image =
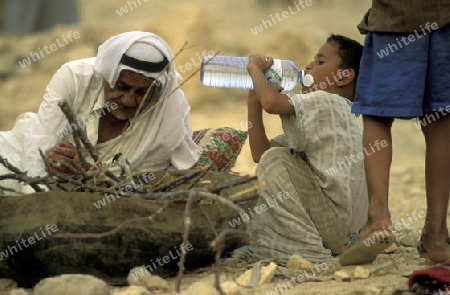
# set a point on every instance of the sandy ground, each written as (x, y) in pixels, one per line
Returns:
(226, 26)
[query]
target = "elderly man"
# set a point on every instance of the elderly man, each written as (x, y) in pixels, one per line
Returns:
(105, 93)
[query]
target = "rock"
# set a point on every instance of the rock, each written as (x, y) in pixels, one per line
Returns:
(200, 288)
(383, 268)
(342, 276)
(139, 276)
(391, 249)
(230, 288)
(7, 284)
(266, 275)
(71, 285)
(361, 272)
(133, 290)
(408, 240)
(297, 262)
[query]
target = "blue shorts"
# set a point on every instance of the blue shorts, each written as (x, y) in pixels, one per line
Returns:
(404, 75)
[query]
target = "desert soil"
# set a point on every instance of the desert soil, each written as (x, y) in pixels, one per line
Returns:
(209, 26)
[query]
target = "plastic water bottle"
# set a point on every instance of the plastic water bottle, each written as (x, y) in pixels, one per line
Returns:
(231, 72)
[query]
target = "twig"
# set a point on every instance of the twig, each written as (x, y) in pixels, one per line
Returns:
(152, 86)
(71, 119)
(112, 176)
(211, 225)
(187, 225)
(21, 177)
(78, 133)
(161, 180)
(112, 232)
(92, 188)
(236, 196)
(247, 198)
(177, 181)
(58, 163)
(190, 76)
(216, 188)
(7, 189)
(204, 171)
(219, 243)
(10, 166)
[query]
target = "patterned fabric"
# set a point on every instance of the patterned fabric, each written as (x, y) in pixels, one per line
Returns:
(219, 147)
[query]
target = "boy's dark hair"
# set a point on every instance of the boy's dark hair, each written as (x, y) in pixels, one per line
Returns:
(350, 52)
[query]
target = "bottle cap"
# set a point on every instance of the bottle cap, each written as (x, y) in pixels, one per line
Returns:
(307, 80)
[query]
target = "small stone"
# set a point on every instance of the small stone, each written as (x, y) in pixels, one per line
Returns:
(133, 290)
(408, 240)
(297, 262)
(71, 285)
(200, 288)
(139, 276)
(230, 288)
(7, 284)
(361, 272)
(391, 249)
(342, 276)
(267, 273)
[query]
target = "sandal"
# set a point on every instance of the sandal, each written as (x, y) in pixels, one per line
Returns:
(363, 251)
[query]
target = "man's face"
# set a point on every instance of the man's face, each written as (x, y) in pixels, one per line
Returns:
(324, 68)
(128, 93)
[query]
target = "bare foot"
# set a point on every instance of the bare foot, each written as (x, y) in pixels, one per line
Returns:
(381, 223)
(437, 247)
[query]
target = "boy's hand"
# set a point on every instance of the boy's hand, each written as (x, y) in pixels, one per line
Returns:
(259, 62)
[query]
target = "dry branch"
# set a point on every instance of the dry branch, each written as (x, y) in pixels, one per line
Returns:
(177, 181)
(187, 226)
(78, 133)
(114, 231)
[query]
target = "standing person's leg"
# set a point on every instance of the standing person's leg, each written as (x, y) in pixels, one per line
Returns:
(390, 85)
(437, 178)
(375, 235)
(436, 129)
(377, 167)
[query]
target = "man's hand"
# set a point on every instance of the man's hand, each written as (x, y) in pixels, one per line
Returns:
(64, 152)
(259, 62)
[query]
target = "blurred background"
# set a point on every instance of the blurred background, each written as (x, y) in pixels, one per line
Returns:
(207, 26)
